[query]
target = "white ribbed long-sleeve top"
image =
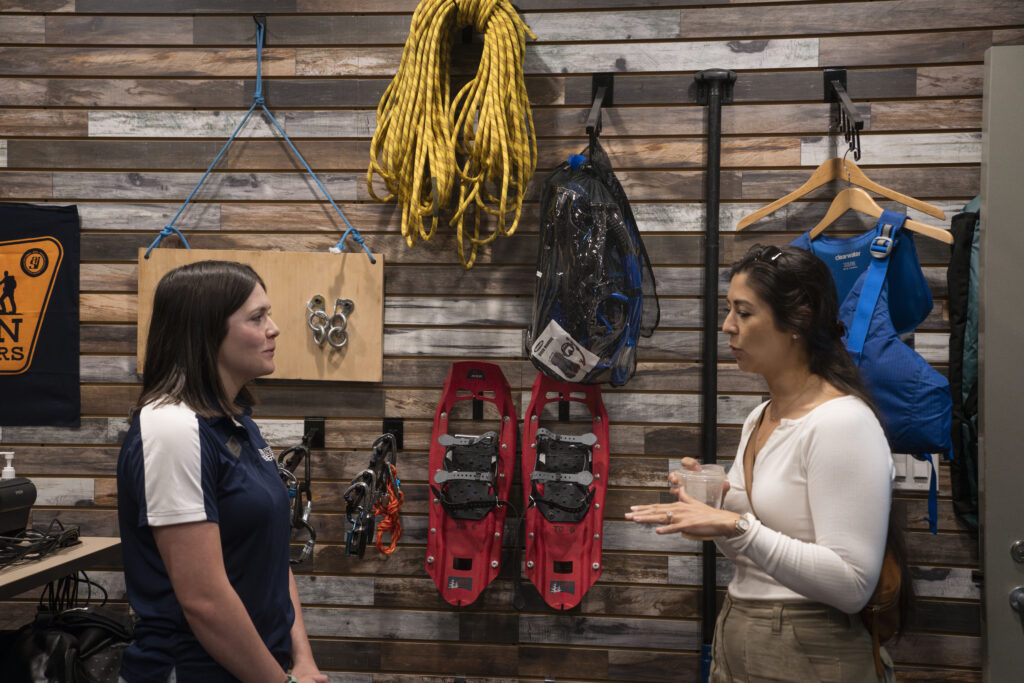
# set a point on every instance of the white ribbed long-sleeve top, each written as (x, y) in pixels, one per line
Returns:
(822, 486)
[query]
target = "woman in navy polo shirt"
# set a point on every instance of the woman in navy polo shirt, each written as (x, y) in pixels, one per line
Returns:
(203, 513)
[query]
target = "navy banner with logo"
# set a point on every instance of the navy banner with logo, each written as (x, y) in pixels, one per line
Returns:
(39, 256)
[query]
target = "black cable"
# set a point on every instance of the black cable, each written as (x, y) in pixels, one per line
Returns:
(33, 544)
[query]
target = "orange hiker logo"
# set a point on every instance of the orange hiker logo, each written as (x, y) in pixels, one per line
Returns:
(29, 270)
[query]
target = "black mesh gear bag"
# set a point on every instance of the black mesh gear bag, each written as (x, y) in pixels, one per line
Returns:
(595, 292)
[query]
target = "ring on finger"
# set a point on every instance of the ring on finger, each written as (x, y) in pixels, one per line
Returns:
(669, 515)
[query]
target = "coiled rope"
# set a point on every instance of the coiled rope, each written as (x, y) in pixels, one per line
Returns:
(481, 141)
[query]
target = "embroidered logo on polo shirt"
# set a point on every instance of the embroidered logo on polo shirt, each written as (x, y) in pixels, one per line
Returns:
(267, 454)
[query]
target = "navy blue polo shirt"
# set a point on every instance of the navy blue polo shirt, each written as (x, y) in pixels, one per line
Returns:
(174, 468)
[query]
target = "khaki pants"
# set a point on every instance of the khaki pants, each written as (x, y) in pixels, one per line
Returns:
(759, 641)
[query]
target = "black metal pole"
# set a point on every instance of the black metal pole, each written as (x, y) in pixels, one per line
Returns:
(714, 86)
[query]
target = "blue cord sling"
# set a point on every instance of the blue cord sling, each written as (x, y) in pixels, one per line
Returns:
(258, 101)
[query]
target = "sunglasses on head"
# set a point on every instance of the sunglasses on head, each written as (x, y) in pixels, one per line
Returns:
(769, 254)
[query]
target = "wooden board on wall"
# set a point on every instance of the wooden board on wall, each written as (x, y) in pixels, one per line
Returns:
(293, 279)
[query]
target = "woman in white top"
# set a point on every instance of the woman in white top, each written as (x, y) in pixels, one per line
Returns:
(806, 509)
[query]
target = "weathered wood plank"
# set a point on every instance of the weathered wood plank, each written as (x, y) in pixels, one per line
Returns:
(24, 185)
(674, 185)
(93, 430)
(672, 634)
(956, 113)
(352, 155)
(913, 48)
(321, 217)
(381, 624)
(954, 549)
(773, 86)
(118, 92)
(23, 29)
(108, 277)
(101, 30)
(935, 182)
(37, 6)
(563, 663)
(109, 399)
(932, 81)
(188, 6)
(108, 338)
(150, 186)
(137, 61)
(64, 491)
(934, 675)
(42, 122)
(348, 655)
(120, 308)
(34, 460)
(165, 154)
(944, 583)
(306, 30)
(578, 26)
(946, 617)
(925, 148)
(446, 658)
(664, 667)
(937, 650)
(888, 16)
(221, 124)
(545, 59)
(950, 81)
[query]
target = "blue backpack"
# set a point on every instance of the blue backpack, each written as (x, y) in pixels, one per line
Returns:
(912, 398)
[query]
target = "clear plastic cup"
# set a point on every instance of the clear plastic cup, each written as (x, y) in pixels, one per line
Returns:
(704, 485)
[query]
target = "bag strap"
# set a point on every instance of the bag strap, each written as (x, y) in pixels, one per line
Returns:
(888, 227)
(746, 454)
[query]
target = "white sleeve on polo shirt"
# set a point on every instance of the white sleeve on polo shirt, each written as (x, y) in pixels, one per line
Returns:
(173, 465)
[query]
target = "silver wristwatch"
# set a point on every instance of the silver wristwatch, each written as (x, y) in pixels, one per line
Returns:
(743, 524)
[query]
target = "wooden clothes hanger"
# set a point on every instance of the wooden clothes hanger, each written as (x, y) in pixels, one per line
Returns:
(833, 169)
(859, 200)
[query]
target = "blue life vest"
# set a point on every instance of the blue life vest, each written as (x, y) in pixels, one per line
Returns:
(912, 398)
(849, 257)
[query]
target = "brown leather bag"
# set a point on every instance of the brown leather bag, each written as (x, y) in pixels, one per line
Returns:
(881, 616)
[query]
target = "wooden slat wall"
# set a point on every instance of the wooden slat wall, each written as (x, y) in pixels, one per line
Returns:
(118, 106)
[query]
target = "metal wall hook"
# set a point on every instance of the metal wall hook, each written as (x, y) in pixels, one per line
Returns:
(602, 94)
(848, 118)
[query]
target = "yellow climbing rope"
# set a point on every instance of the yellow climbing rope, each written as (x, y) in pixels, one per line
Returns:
(481, 142)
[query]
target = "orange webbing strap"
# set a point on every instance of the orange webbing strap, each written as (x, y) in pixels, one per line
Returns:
(387, 508)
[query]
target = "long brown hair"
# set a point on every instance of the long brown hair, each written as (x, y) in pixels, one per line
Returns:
(191, 308)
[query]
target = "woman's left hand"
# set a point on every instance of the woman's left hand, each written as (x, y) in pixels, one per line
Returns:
(309, 673)
(686, 516)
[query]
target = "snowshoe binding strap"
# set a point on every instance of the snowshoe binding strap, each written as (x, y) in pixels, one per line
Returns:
(465, 486)
(563, 477)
